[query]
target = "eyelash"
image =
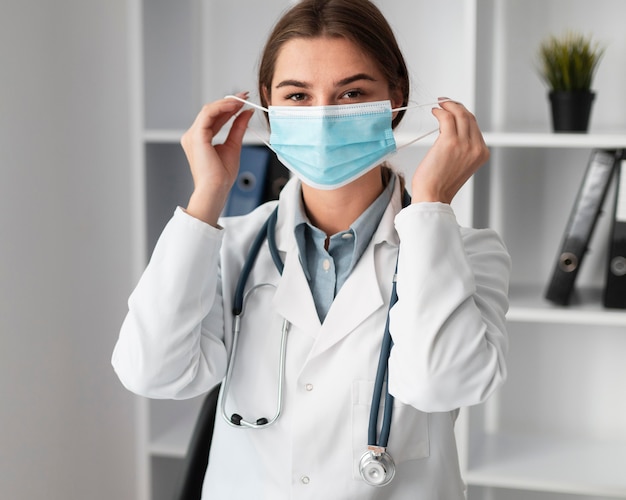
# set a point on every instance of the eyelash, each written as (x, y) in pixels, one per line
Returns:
(358, 92)
(296, 96)
(349, 94)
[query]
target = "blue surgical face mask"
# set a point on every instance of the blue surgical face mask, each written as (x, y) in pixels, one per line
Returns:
(330, 146)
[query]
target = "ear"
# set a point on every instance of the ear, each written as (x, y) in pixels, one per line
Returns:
(397, 101)
(396, 98)
(266, 96)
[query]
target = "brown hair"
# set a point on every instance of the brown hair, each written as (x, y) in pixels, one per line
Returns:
(359, 21)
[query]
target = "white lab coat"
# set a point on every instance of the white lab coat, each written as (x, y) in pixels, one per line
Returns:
(449, 338)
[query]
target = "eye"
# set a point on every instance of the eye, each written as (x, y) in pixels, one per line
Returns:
(352, 94)
(296, 96)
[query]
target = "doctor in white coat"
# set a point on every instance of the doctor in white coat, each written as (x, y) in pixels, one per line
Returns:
(340, 238)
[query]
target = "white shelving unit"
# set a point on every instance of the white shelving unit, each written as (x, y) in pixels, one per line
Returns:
(555, 431)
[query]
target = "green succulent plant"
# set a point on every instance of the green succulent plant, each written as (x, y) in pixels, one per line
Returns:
(569, 62)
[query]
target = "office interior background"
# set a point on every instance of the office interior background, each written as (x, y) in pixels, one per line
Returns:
(92, 91)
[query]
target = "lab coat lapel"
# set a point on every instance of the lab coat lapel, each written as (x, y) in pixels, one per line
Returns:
(359, 297)
(364, 292)
(368, 288)
(293, 299)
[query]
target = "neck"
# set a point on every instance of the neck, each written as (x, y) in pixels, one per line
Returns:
(335, 210)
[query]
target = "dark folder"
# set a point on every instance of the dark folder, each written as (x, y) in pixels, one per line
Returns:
(580, 225)
(247, 192)
(261, 178)
(615, 288)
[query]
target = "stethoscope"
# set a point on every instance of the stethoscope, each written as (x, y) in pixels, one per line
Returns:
(376, 466)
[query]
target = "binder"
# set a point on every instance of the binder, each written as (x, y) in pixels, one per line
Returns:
(277, 177)
(615, 287)
(580, 225)
(247, 192)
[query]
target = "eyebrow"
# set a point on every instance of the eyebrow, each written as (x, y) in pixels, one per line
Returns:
(355, 78)
(340, 83)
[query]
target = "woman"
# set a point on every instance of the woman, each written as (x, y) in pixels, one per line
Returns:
(340, 238)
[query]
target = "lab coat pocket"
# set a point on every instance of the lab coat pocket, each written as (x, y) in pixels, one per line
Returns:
(409, 433)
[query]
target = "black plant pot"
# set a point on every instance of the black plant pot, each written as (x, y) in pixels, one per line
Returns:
(571, 110)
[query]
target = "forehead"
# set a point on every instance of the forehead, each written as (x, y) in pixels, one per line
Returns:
(330, 58)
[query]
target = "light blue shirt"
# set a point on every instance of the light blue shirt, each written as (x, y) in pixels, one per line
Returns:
(327, 270)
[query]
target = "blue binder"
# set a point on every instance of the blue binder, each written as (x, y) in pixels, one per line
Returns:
(247, 193)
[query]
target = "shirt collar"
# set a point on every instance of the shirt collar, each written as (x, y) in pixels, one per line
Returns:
(362, 228)
(366, 224)
(373, 212)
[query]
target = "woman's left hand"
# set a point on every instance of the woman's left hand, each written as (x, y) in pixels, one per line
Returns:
(458, 152)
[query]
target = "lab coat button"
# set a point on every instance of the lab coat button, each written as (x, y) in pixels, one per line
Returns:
(305, 480)
(309, 387)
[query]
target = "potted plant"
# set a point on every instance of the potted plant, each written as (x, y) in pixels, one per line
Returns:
(568, 65)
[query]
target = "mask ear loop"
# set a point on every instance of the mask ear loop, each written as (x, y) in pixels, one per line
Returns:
(423, 105)
(257, 106)
(403, 108)
(245, 101)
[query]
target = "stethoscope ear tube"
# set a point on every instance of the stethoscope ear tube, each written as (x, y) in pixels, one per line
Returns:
(239, 300)
(236, 420)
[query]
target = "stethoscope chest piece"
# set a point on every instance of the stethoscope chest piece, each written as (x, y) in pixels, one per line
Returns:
(377, 468)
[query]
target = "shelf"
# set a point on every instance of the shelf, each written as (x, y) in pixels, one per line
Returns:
(606, 140)
(528, 305)
(536, 139)
(173, 136)
(548, 463)
(165, 136)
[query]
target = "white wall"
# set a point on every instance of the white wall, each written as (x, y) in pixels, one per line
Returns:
(66, 425)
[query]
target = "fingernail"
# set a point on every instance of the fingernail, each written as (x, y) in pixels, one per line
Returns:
(243, 94)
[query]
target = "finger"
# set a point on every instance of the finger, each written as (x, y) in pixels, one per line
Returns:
(447, 123)
(228, 104)
(462, 118)
(238, 129)
(469, 133)
(215, 115)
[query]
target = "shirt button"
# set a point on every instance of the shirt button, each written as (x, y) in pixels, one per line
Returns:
(309, 387)
(347, 236)
(326, 264)
(305, 480)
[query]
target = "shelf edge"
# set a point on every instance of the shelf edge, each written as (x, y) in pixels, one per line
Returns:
(607, 140)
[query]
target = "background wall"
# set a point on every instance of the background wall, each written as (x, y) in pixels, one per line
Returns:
(66, 424)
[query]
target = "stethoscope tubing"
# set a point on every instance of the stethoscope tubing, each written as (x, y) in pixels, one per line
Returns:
(379, 382)
(249, 263)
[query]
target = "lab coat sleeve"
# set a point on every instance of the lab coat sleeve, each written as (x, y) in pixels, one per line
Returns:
(171, 342)
(448, 325)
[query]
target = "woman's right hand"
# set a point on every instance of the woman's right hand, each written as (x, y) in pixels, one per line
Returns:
(214, 168)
